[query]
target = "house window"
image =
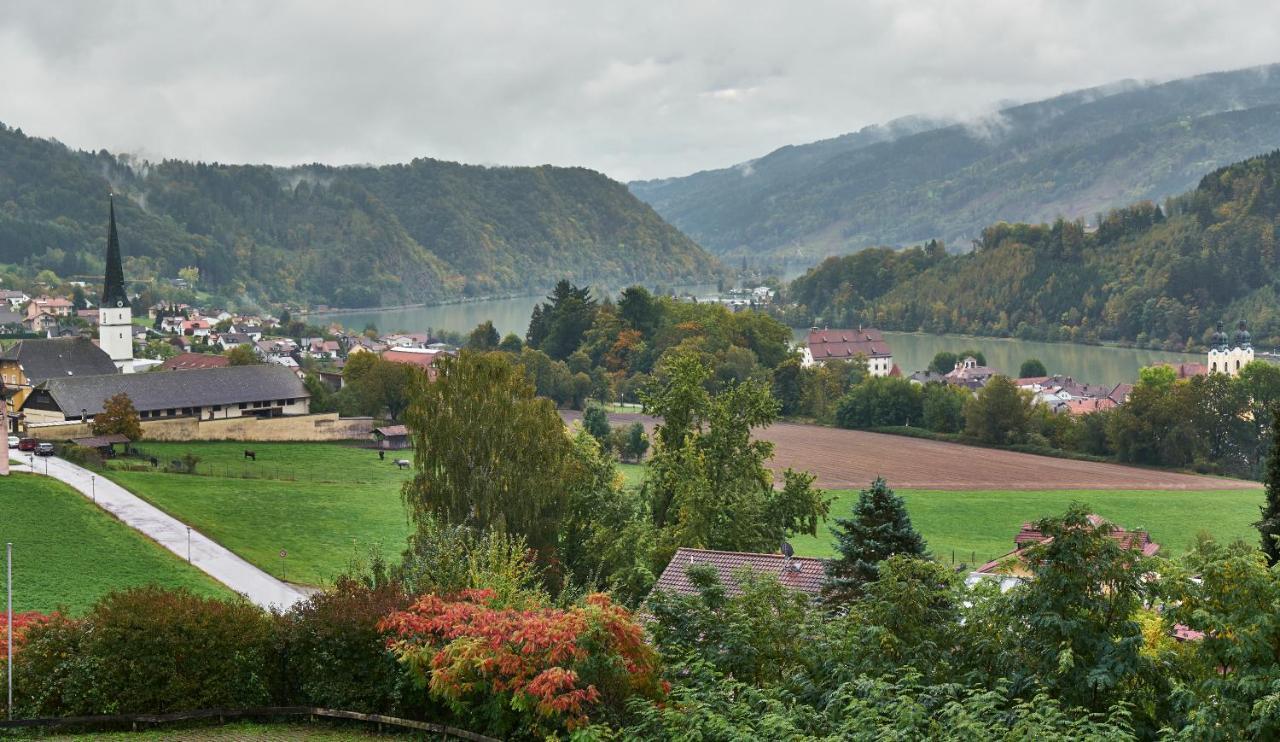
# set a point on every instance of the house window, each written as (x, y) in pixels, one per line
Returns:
(243, 405)
(217, 408)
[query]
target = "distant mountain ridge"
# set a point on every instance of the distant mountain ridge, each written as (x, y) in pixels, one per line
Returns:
(345, 236)
(918, 179)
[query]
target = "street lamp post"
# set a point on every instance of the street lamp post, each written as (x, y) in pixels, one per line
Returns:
(188, 544)
(93, 487)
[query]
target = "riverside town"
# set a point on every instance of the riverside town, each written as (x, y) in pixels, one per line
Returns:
(563, 372)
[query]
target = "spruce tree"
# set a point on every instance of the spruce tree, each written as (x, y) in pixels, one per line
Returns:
(1269, 525)
(879, 529)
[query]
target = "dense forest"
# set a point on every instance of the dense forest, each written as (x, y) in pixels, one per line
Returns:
(920, 179)
(345, 236)
(1159, 276)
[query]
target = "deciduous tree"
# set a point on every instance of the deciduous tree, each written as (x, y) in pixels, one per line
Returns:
(118, 416)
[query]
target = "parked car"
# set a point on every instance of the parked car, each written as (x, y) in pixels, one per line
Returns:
(44, 449)
(14, 441)
(27, 444)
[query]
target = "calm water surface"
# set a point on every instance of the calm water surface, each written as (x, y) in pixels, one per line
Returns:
(911, 351)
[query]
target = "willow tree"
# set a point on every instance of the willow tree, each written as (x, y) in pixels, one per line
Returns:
(489, 454)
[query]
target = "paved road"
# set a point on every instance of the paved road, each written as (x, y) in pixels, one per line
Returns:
(206, 554)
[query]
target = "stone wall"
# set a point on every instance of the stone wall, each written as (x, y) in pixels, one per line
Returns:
(319, 427)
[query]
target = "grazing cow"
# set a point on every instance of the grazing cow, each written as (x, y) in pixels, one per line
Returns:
(250, 455)
(402, 463)
(154, 463)
(382, 455)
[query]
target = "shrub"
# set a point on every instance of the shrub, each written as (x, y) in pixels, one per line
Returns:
(335, 656)
(81, 456)
(148, 650)
(525, 671)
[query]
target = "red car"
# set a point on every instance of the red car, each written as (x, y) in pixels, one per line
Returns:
(27, 444)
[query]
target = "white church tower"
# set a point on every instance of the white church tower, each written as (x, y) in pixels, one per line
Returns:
(1228, 357)
(115, 316)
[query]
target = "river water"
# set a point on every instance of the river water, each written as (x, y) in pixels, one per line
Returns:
(911, 351)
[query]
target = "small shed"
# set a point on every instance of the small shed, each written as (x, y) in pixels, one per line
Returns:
(106, 444)
(391, 437)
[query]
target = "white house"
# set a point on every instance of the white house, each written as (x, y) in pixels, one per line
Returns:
(826, 346)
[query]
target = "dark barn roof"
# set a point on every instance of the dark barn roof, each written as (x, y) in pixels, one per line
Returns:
(59, 358)
(159, 391)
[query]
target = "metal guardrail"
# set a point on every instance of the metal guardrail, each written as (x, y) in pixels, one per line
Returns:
(116, 720)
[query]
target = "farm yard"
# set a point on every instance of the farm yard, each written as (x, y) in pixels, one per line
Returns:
(68, 553)
(844, 459)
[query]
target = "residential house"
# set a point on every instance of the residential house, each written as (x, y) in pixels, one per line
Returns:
(197, 327)
(41, 322)
(28, 363)
(969, 374)
(89, 315)
(420, 357)
(274, 348)
(252, 331)
(1120, 393)
(802, 574)
(15, 298)
(191, 361)
(55, 305)
(229, 340)
(826, 346)
(1086, 405)
(321, 349)
(1011, 568)
(10, 320)
(361, 344)
(234, 391)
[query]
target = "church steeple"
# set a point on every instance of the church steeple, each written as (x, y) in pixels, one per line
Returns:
(113, 291)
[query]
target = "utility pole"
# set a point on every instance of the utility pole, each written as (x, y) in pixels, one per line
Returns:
(8, 634)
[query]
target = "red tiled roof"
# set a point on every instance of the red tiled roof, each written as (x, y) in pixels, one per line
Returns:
(804, 574)
(188, 361)
(1085, 406)
(844, 344)
(1129, 539)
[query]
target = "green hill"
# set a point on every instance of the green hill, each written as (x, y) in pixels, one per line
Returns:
(919, 179)
(1143, 275)
(346, 236)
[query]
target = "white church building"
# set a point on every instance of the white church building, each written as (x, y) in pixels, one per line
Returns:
(115, 316)
(1229, 356)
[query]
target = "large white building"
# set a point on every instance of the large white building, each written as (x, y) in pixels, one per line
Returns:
(846, 346)
(115, 316)
(1228, 357)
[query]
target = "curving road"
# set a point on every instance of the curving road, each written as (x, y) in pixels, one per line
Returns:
(206, 554)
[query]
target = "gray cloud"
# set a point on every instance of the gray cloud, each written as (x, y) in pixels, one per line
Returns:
(633, 89)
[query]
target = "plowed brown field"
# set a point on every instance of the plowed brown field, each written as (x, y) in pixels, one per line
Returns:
(850, 459)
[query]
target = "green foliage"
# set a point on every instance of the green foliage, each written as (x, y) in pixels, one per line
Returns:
(944, 362)
(374, 387)
(595, 420)
(194, 653)
(1000, 413)
(942, 407)
(881, 401)
(484, 337)
(1032, 367)
(344, 236)
(1269, 524)
(880, 528)
(242, 355)
(706, 482)
(487, 453)
(511, 343)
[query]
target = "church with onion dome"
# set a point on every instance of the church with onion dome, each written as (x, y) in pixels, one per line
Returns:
(1229, 355)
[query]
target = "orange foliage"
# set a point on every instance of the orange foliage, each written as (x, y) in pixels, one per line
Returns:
(558, 663)
(20, 623)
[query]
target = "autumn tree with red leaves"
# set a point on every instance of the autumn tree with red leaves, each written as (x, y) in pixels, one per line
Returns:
(531, 671)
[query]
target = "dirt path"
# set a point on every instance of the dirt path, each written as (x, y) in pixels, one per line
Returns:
(850, 459)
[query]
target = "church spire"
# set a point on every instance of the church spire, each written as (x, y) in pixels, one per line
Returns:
(113, 291)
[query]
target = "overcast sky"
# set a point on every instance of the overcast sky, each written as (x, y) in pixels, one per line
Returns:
(636, 89)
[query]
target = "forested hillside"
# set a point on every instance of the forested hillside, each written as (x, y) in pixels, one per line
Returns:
(349, 236)
(1158, 279)
(919, 179)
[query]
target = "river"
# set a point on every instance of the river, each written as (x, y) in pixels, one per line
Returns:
(911, 351)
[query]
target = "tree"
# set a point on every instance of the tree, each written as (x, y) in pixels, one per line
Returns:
(707, 482)
(558, 325)
(637, 442)
(489, 454)
(976, 355)
(879, 529)
(190, 274)
(242, 355)
(1032, 367)
(118, 416)
(944, 362)
(942, 407)
(1269, 525)
(880, 401)
(484, 337)
(595, 420)
(511, 343)
(1000, 413)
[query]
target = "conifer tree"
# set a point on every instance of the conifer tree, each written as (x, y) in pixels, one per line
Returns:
(879, 529)
(1269, 525)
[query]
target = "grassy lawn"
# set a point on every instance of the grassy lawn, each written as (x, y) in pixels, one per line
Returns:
(984, 523)
(69, 553)
(632, 474)
(235, 732)
(311, 462)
